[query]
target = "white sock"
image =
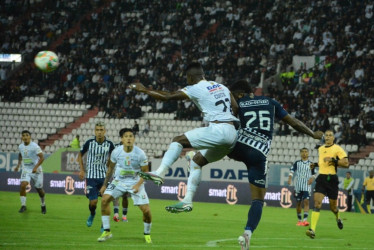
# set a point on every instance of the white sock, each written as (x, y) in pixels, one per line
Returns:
(249, 233)
(147, 228)
(193, 182)
(42, 201)
(171, 155)
(105, 220)
(23, 200)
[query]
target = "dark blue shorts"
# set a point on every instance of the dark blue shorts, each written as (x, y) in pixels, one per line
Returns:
(302, 195)
(255, 161)
(93, 187)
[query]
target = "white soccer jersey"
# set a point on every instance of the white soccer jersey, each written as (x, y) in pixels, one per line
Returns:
(128, 164)
(30, 155)
(213, 99)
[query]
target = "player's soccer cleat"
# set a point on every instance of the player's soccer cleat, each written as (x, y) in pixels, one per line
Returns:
(116, 217)
(305, 223)
(299, 223)
(44, 209)
(124, 218)
(339, 223)
(179, 207)
(22, 209)
(105, 236)
(310, 233)
(90, 220)
(158, 180)
(147, 238)
(244, 241)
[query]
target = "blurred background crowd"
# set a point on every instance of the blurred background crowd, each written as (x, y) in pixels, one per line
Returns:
(103, 46)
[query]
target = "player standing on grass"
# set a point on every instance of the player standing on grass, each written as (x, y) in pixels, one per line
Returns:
(257, 115)
(369, 184)
(130, 160)
(30, 157)
(99, 150)
(330, 157)
(304, 178)
(214, 141)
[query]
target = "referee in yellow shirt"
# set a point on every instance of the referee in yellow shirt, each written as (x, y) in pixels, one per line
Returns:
(369, 183)
(330, 157)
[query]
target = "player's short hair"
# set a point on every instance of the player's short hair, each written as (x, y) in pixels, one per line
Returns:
(195, 68)
(304, 149)
(349, 173)
(25, 132)
(125, 130)
(242, 86)
(100, 124)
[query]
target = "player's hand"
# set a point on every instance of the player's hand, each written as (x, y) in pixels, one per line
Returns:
(102, 190)
(138, 87)
(318, 135)
(135, 188)
(313, 165)
(81, 175)
(16, 169)
(34, 170)
(289, 182)
(310, 181)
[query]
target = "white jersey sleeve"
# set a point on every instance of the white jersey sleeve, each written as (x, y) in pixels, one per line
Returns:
(213, 99)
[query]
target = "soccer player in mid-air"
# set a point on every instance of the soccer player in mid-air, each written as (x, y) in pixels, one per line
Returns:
(214, 141)
(305, 175)
(99, 150)
(30, 157)
(330, 157)
(130, 159)
(257, 115)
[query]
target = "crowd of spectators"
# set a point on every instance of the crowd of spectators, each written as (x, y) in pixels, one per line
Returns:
(151, 41)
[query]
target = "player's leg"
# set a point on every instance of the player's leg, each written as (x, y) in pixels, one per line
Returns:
(22, 194)
(141, 199)
(125, 207)
(257, 170)
(92, 195)
(306, 208)
(318, 197)
(105, 217)
(369, 197)
(298, 209)
(349, 203)
(116, 210)
(25, 180)
(38, 180)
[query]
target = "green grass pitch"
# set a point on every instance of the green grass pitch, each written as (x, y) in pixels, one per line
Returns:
(208, 226)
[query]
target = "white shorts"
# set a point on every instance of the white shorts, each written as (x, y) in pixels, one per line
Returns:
(116, 189)
(215, 141)
(37, 177)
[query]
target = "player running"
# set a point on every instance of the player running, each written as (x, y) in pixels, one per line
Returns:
(30, 157)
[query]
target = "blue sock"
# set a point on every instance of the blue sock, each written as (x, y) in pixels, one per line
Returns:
(306, 215)
(299, 216)
(116, 209)
(254, 215)
(92, 209)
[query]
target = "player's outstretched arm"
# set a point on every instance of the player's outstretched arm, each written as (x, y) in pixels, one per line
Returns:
(301, 127)
(159, 95)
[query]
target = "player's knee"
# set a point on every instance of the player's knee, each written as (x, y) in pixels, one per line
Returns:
(199, 159)
(24, 185)
(182, 139)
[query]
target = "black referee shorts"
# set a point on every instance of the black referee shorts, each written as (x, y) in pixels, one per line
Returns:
(369, 196)
(327, 185)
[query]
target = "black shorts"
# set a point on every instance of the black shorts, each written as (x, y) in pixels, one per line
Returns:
(255, 161)
(327, 185)
(369, 196)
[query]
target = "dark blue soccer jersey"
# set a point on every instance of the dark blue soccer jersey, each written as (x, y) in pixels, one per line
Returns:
(257, 117)
(97, 158)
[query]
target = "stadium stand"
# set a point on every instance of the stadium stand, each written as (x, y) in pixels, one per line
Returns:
(105, 45)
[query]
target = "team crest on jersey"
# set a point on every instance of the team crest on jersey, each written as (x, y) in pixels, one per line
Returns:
(214, 87)
(127, 161)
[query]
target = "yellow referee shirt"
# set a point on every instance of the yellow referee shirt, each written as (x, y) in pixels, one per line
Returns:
(332, 151)
(369, 183)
